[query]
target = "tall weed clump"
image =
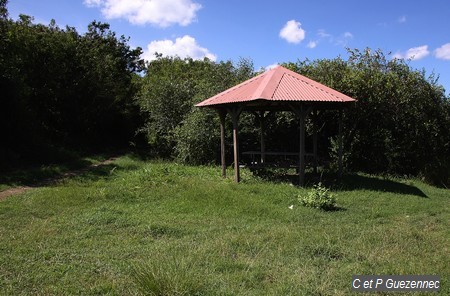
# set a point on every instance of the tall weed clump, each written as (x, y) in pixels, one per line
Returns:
(169, 276)
(320, 198)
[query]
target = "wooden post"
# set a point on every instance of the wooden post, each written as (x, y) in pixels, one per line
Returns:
(222, 115)
(340, 150)
(301, 172)
(235, 112)
(301, 114)
(263, 144)
(315, 141)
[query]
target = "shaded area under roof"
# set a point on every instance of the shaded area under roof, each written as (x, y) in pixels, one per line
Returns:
(276, 86)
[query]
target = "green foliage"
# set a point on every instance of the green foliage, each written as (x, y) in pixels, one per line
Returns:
(320, 198)
(399, 125)
(3, 9)
(197, 138)
(166, 99)
(64, 89)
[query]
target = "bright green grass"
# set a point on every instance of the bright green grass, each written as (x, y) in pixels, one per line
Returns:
(135, 227)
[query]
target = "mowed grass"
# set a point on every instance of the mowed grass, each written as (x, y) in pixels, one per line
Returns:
(137, 227)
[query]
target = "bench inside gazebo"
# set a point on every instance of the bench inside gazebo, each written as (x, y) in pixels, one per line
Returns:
(278, 89)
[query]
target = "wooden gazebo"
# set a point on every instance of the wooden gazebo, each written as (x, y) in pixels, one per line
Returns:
(278, 89)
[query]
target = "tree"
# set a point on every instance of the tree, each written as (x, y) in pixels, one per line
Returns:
(3, 9)
(170, 89)
(106, 66)
(399, 124)
(63, 90)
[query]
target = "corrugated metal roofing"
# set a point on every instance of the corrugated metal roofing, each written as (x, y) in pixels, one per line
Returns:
(278, 84)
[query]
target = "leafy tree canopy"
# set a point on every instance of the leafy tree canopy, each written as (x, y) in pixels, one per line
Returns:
(63, 89)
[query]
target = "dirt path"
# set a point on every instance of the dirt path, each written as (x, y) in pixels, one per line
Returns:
(50, 181)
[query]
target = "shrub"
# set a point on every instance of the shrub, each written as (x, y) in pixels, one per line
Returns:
(320, 198)
(197, 139)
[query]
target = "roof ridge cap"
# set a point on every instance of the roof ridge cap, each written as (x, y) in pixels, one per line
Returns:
(270, 83)
(263, 85)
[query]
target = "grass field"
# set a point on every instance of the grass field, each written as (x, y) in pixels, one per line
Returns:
(143, 227)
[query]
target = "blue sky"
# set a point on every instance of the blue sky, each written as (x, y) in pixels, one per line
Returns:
(268, 32)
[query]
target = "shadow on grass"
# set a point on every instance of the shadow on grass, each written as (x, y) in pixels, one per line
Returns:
(358, 182)
(52, 174)
(349, 182)
(337, 209)
(276, 175)
(32, 176)
(145, 155)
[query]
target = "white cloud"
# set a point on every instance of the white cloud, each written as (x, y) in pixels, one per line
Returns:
(348, 35)
(92, 3)
(323, 34)
(292, 32)
(271, 66)
(402, 19)
(415, 53)
(343, 39)
(161, 13)
(312, 44)
(183, 47)
(443, 52)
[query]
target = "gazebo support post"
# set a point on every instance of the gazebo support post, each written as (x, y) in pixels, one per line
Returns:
(235, 112)
(314, 119)
(262, 120)
(340, 149)
(301, 172)
(301, 114)
(222, 116)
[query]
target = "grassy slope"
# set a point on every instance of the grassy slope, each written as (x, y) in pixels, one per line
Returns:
(174, 228)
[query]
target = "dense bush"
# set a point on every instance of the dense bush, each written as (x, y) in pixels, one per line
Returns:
(170, 89)
(61, 89)
(198, 139)
(400, 124)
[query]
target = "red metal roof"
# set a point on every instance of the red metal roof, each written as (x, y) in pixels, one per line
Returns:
(278, 84)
